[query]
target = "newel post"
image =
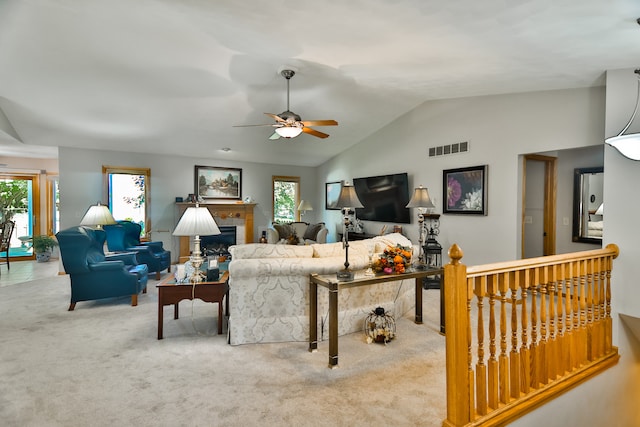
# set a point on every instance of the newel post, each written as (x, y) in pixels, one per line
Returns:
(458, 340)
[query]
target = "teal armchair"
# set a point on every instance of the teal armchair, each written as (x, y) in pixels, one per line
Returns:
(125, 237)
(94, 275)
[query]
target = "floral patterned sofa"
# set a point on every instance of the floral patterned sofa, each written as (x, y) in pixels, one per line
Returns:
(269, 289)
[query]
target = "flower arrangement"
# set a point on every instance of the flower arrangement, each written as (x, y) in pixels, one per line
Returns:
(393, 260)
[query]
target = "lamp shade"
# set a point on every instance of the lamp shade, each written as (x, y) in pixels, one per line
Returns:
(348, 198)
(628, 145)
(305, 206)
(420, 199)
(97, 216)
(288, 132)
(196, 221)
(600, 210)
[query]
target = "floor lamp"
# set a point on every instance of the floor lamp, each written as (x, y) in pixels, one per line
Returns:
(347, 200)
(422, 201)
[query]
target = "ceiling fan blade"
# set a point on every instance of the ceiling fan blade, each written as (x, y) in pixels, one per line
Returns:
(274, 136)
(246, 126)
(314, 132)
(320, 123)
(276, 117)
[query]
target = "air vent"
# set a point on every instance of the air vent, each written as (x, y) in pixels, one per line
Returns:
(443, 150)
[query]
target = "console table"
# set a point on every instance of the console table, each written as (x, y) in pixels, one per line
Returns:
(330, 282)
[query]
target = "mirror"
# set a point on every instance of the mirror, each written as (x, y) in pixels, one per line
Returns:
(588, 209)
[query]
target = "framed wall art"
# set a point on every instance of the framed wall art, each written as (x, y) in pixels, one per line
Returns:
(464, 190)
(332, 192)
(218, 183)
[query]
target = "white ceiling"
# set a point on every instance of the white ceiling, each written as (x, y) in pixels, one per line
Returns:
(173, 77)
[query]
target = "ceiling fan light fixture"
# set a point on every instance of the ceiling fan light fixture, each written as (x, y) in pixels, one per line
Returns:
(628, 145)
(288, 132)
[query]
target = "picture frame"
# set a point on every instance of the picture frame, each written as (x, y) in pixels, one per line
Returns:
(464, 190)
(212, 182)
(332, 192)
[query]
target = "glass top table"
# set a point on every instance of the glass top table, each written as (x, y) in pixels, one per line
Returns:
(334, 286)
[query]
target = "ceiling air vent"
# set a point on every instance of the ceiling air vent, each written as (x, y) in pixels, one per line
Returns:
(443, 150)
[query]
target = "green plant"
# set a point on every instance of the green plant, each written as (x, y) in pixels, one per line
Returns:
(42, 243)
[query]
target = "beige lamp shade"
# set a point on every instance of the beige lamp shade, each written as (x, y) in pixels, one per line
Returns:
(97, 216)
(348, 198)
(196, 221)
(305, 206)
(420, 199)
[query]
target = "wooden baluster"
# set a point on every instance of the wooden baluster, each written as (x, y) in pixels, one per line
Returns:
(492, 365)
(535, 381)
(583, 311)
(525, 359)
(575, 307)
(552, 344)
(481, 367)
(503, 287)
(514, 358)
(560, 325)
(608, 324)
(543, 348)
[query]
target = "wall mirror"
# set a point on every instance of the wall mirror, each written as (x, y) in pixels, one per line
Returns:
(588, 207)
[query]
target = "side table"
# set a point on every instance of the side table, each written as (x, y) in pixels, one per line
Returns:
(170, 292)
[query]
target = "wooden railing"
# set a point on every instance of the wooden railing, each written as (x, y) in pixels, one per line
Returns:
(519, 333)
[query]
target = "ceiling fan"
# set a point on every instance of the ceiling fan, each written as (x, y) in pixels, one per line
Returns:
(288, 124)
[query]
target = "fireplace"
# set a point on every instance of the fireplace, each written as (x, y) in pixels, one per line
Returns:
(219, 243)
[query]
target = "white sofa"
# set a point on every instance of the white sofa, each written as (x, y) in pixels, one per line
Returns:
(306, 235)
(269, 290)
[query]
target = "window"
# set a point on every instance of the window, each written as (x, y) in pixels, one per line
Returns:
(286, 196)
(127, 193)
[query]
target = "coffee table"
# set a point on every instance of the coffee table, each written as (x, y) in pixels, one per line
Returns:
(170, 292)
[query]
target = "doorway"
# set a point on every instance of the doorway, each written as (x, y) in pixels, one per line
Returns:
(21, 204)
(539, 184)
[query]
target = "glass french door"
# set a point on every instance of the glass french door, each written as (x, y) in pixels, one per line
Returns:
(20, 202)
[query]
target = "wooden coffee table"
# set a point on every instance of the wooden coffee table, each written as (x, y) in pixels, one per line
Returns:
(170, 292)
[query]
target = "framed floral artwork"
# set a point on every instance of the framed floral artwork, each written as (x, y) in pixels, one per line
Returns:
(465, 190)
(218, 183)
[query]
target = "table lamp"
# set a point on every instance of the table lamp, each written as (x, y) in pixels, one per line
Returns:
(347, 200)
(421, 200)
(97, 215)
(196, 221)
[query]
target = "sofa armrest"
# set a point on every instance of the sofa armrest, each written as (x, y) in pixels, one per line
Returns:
(321, 237)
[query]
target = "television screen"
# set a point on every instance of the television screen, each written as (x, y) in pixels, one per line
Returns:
(384, 198)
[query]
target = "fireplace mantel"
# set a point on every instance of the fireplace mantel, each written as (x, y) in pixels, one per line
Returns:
(224, 213)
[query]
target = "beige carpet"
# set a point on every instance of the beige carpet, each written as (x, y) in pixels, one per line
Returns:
(101, 365)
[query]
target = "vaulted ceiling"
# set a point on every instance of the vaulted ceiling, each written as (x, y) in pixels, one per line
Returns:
(173, 77)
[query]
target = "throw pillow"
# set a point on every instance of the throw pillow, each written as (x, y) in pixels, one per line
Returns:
(312, 232)
(284, 230)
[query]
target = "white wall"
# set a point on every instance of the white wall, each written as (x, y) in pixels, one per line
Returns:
(499, 128)
(81, 186)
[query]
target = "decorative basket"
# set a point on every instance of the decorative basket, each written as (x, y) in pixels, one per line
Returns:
(379, 326)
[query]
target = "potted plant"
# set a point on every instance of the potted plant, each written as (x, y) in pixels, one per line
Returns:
(42, 247)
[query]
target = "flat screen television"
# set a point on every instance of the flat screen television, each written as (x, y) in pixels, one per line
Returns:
(384, 198)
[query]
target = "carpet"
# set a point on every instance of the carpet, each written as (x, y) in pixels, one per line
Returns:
(102, 365)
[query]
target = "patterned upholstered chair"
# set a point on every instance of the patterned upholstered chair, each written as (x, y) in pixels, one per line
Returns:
(6, 229)
(94, 275)
(125, 237)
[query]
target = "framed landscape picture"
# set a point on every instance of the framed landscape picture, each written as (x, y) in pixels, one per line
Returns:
(332, 192)
(218, 183)
(464, 190)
